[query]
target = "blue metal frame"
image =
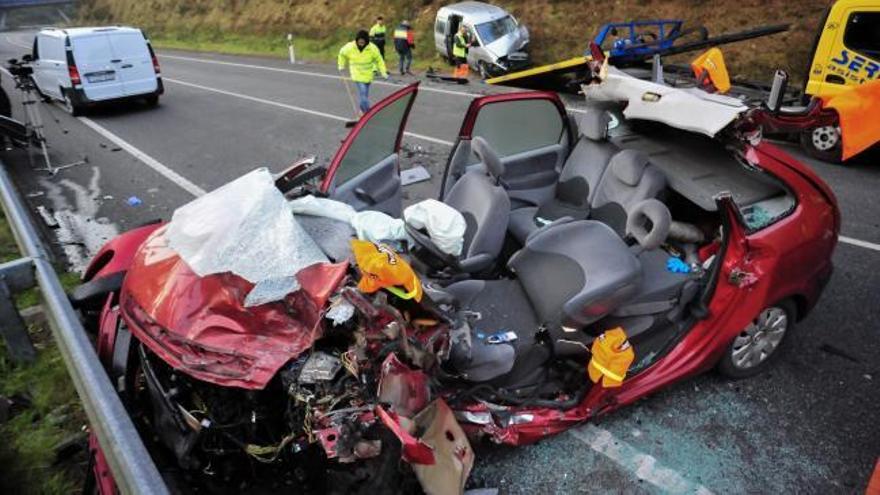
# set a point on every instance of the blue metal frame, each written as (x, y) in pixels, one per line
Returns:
(629, 46)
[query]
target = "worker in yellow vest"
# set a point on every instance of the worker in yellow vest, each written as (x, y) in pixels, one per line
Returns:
(363, 60)
(404, 43)
(377, 35)
(460, 44)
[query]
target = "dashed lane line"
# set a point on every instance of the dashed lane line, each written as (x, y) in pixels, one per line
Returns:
(643, 466)
(148, 160)
(296, 108)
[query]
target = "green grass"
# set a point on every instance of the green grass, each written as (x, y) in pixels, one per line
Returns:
(322, 50)
(28, 439)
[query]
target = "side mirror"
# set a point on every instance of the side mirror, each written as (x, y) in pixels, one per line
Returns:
(777, 91)
(27, 58)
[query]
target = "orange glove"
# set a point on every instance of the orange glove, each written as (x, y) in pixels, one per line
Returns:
(382, 268)
(612, 356)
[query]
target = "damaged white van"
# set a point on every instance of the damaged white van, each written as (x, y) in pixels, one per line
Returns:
(82, 66)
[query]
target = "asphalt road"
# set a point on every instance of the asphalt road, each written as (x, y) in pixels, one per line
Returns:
(809, 425)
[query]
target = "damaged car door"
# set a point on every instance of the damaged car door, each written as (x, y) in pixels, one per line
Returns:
(530, 132)
(365, 172)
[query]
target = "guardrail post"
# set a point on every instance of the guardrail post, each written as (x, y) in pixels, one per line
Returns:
(13, 329)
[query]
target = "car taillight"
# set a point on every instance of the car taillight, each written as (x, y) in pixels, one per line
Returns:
(74, 75)
(155, 64)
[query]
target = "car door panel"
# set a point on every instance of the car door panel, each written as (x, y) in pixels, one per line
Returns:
(531, 134)
(365, 172)
(100, 78)
(378, 188)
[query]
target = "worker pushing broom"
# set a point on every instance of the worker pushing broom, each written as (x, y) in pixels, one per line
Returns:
(363, 60)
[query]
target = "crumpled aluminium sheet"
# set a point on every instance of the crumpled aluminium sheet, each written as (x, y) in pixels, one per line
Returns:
(689, 109)
(247, 228)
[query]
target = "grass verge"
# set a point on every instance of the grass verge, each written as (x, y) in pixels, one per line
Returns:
(46, 411)
(322, 50)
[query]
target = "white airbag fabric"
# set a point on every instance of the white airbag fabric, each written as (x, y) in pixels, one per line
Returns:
(376, 226)
(247, 228)
(444, 224)
(322, 207)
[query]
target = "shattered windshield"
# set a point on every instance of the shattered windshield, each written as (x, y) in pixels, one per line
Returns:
(491, 31)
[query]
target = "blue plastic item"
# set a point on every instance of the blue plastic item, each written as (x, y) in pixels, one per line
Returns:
(676, 265)
(134, 201)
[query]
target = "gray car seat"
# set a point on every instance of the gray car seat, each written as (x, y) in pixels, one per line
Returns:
(485, 206)
(578, 180)
(569, 275)
(630, 179)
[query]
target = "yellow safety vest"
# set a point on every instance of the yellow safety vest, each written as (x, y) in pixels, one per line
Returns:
(377, 32)
(361, 63)
(459, 46)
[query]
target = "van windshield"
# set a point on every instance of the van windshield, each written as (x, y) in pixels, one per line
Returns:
(492, 30)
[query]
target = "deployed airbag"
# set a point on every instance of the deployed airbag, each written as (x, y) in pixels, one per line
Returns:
(444, 224)
(246, 228)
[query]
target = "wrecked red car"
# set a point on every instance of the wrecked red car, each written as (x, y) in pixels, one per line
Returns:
(600, 260)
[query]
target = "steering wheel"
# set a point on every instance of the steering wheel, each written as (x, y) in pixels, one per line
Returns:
(428, 245)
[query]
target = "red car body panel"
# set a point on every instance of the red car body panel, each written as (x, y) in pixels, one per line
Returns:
(116, 256)
(200, 326)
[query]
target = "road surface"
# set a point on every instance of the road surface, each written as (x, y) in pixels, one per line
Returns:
(808, 425)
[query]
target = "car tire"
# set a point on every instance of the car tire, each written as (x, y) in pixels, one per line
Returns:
(823, 143)
(70, 107)
(758, 345)
(152, 101)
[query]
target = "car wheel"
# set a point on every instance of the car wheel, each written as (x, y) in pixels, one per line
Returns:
(759, 342)
(70, 107)
(823, 143)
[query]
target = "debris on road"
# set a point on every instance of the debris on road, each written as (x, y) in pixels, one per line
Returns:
(414, 175)
(134, 201)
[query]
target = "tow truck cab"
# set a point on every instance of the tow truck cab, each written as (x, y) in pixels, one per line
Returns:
(847, 48)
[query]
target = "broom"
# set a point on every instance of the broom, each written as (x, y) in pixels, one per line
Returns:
(354, 107)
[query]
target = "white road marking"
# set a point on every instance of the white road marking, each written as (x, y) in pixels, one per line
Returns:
(632, 460)
(858, 242)
(151, 162)
(22, 45)
(332, 76)
(296, 108)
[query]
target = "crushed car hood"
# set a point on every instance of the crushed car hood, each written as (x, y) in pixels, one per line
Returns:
(201, 326)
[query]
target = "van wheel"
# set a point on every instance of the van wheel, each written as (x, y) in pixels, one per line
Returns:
(152, 101)
(823, 143)
(70, 107)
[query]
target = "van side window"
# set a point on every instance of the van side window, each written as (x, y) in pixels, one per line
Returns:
(440, 26)
(36, 53)
(863, 33)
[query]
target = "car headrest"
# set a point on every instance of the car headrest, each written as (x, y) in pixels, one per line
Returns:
(594, 124)
(648, 223)
(487, 155)
(628, 166)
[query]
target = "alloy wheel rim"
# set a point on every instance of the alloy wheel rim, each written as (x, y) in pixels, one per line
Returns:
(760, 338)
(825, 137)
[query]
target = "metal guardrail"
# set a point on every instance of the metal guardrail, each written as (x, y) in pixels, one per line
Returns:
(131, 464)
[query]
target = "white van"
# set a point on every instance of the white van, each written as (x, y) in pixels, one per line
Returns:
(81, 66)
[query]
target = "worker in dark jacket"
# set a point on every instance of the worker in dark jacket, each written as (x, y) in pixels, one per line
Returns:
(377, 35)
(404, 43)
